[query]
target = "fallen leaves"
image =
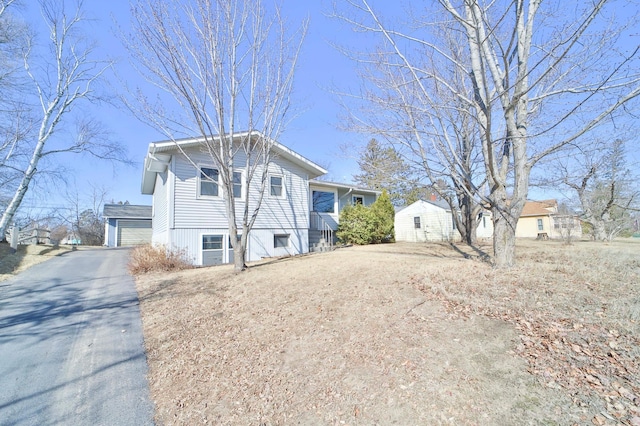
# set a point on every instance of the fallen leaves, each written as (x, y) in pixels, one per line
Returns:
(598, 366)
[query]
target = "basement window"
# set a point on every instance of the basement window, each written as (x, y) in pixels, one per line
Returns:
(280, 241)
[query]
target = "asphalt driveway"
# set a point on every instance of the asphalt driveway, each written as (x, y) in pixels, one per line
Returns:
(71, 348)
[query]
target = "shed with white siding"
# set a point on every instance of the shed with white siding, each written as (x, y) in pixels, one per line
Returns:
(425, 221)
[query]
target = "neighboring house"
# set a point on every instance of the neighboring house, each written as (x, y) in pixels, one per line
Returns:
(540, 219)
(433, 221)
(189, 212)
(71, 239)
(127, 225)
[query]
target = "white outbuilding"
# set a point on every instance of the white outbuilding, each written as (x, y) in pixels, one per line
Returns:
(425, 221)
(433, 221)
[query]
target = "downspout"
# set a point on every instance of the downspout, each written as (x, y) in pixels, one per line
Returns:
(347, 194)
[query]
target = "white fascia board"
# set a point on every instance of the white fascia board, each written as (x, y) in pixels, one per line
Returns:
(286, 153)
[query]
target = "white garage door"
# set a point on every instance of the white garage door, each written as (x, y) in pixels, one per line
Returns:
(134, 232)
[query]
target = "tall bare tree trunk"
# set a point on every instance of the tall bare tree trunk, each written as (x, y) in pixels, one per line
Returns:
(13, 206)
(504, 238)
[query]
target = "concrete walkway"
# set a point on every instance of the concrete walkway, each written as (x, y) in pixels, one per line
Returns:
(71, 348)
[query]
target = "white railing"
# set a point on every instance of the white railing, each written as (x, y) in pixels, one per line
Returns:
(318, 223)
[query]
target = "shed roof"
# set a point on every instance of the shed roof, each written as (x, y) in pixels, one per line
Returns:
(126, 211)
(418, 204)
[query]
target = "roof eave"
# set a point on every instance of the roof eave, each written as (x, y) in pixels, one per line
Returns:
(344, 186)
(312, 168)
(153, 164)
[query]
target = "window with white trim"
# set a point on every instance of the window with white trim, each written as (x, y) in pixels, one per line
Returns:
(276, 186)
(212, 242)
(237, 184)
(209, 182)
(540, 225)
(416, 222)
(281, 240)
(357, 199)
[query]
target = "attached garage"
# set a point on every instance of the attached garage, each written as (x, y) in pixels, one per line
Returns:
(133, 232)
(127, 225)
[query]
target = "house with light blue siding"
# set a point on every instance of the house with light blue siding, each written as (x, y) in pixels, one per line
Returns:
(298, 212)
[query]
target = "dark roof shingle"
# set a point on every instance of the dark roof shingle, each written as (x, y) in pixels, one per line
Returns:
(126, 211)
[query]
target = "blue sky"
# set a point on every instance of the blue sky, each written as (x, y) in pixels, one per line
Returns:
(313, 132)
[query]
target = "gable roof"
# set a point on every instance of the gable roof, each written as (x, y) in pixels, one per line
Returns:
(539, 208)
(158, 156)
(126, 211)
(441, 204)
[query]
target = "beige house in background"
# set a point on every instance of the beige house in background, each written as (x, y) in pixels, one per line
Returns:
(540, 219)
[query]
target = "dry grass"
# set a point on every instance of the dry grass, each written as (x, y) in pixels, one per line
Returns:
(26, 256)
(400, 334)
(577, 310)
(148, 258)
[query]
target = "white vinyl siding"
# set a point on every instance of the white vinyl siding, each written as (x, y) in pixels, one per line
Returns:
(260, 244)
(289, 211)
(435, 223)
(160, 217)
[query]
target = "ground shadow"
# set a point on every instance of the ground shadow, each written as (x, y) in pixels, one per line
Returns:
(479, 253)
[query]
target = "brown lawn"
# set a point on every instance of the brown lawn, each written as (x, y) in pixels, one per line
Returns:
(25, 257)
(403, 334)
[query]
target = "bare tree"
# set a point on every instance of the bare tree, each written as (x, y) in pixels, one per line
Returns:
(83, 214)
(607, 192)
(228, 66)
(541, 76)
(63, 76)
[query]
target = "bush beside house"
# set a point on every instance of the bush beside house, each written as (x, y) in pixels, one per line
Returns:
(367, 225)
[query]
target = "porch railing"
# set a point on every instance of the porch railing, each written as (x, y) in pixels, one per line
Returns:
(318, 223)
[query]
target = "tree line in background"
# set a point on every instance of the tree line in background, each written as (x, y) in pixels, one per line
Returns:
(478, 97)
(46, 79)
(78, 221)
